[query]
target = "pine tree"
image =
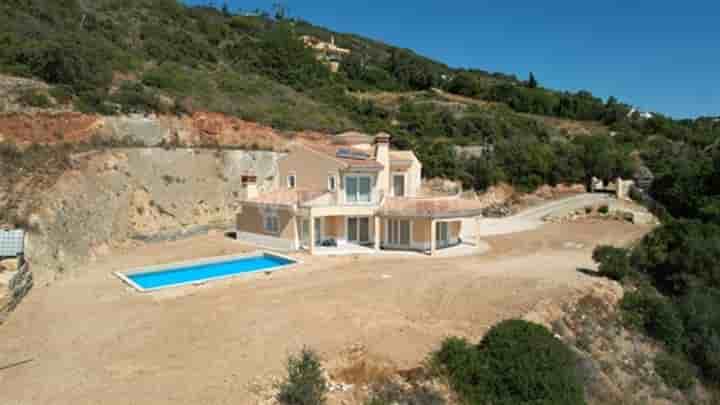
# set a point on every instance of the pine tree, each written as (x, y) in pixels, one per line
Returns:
(226, 9)
(532, 82)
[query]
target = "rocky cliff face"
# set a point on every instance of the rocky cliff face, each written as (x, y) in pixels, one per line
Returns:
(181, 175)
(110, 198)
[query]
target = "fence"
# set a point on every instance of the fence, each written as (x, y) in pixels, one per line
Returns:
(12, 243)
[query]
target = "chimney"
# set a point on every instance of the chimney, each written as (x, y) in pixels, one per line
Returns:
(251, 191)
(382, 155)
(251, 188)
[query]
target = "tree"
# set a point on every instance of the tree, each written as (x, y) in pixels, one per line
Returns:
(226, 9)
(280, 11)
(614, 262)
(517, 362)
(532, 82)
(305, 383)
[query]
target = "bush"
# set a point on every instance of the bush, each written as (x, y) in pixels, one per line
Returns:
(700, 311)
(35, 98)
(516, 363)
(614, 262)
(61, 94)
(305, 383)
(654, 315)
(675, 371)
(681, 256)
(134, 98)
(604, 209)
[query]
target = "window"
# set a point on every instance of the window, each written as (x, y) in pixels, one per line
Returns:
(357, 189)
(398, 232)
(291, 180)
(271, 223)
(332, 182)
(399, 185)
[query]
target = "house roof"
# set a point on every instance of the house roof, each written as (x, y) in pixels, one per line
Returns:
(436, 208)
(332, 151)
(401, 159)
(353, 138)
(287, 197)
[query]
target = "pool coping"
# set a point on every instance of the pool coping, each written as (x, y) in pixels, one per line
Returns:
(158, 268)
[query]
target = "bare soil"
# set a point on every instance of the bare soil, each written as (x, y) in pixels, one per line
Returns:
(91, 339)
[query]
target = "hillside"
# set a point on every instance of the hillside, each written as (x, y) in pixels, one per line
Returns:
(113, 57)
(131, 121)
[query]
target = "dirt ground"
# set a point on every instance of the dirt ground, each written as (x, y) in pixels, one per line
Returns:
(91, 339)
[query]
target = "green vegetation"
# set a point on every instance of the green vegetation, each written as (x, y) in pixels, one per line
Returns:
(675, 371)
(614, 262)
(305, 383)
(35, 98)
(676, 273)
(118, 56)
(517, 362)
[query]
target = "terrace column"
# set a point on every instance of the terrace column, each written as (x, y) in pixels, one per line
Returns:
(377, 232)
(478, 239)
(311, 242)
(433, 243)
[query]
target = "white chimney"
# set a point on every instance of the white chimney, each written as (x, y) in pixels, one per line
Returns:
(382, 155)
(251, 191)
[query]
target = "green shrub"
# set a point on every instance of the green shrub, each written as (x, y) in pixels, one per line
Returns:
(664, 324)
(169, 76)
(614, 262)
(35, 98)
(700, 311)
(61, 94)
(654, 315)
(517, 362)
(675, 371)
(681, 256)
(134, 98)
(305, 383)
(604, 209)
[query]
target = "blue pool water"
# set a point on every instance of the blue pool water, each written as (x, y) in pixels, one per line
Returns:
(204, 272)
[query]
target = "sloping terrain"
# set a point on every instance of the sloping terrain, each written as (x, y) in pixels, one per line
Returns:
(224, 342)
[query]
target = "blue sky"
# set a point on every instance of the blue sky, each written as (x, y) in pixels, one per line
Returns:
(658, 55)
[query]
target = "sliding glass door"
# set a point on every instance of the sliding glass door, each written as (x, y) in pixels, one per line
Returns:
(358, 230)
(442, 235)
(398, 233)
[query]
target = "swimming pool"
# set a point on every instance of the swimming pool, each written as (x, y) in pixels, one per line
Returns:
(174, 275)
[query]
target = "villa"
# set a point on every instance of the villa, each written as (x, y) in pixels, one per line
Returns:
(353, 192)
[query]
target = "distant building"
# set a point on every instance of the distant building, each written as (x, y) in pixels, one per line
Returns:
(641, 114)
(326, 52)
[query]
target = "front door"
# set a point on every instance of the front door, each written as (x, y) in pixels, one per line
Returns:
(358, 230)
(442, 235)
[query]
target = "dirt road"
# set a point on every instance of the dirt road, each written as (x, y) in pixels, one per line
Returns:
(532, 218)
(93, 340)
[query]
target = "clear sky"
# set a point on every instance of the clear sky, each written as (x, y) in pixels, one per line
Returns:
(658, 55)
